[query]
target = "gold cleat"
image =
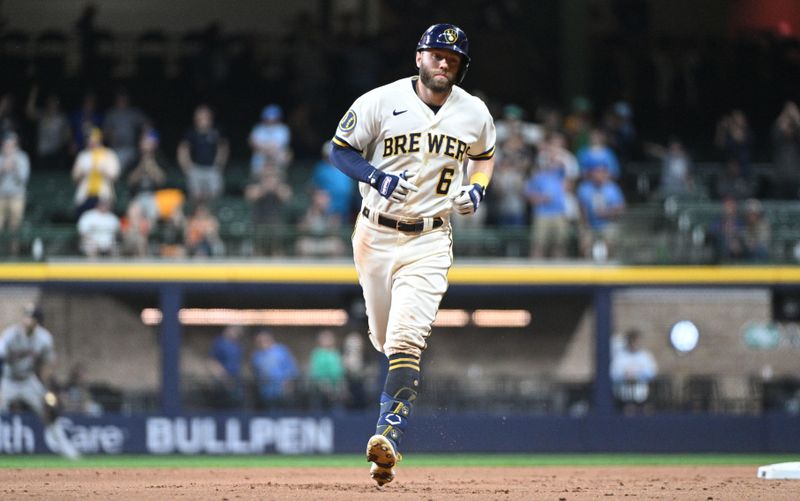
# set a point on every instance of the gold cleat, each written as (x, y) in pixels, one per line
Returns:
(383, 456)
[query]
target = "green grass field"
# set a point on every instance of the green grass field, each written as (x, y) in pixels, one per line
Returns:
(420, 460)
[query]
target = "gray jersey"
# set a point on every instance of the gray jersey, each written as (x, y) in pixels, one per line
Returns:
(22, 353)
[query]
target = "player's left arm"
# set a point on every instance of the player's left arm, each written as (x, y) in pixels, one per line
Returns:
(45, 372)
(45, 364)
(469, 197)
(52, 407)
(479, 165)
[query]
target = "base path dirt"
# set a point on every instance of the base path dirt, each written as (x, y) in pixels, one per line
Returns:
(553, 483)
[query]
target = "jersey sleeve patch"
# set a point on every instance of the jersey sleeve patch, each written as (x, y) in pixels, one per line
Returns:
(486, 155)
(349, 121)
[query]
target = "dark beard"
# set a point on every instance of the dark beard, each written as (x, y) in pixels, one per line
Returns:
(428, 80)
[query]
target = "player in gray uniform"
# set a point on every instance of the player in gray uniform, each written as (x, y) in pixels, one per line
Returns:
(408, 143)
(26, 350)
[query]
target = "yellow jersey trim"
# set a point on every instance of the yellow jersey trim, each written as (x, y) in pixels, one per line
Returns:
(344, 144)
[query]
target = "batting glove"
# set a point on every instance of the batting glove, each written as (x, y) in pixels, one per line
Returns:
(468, 198)
(391, 187)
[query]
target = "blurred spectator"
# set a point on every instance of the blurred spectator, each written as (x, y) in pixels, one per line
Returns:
(732, 183)
(512, 123)
(320, 228)
(274, 369)
(8, 119)
(553, 150)
(326, 371)
(664, 73)
(225, 365)
(735, 140)
(99, 228)
(53, 134)
(95, 170)
(75, 395)
(202, 233)
(578, 124)
(757, 232)
(508, 182)
(727, 232)
(84, 120)
(171, 222)
(87, 39)
(208, 65)
(602, 203)
(551, 119)
(786, 153)
(148, 176)
(598, 152)
(135, 228)
(270, 141)
(269, 198)
(676, 177)
(546, 191)
(304, 123)
(203, 154)
(122, 127)
(632, 369)
(620, 130)
(15, 171)
(338, 185)
(353, 362)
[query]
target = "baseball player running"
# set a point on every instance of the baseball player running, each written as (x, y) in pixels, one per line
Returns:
(407, 143)
(26, 349)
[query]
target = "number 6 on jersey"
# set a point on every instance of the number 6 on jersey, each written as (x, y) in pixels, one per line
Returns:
(445, 179)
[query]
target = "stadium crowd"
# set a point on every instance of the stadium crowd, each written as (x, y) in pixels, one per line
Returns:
(258, 371)
(559, 178)
(227, 154)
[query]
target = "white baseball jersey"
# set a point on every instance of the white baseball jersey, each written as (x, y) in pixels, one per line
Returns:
(397, 132)
(21, 352)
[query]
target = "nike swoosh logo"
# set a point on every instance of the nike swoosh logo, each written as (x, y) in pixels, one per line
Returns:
(395, 112)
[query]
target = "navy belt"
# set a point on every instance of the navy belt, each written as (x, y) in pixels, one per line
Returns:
(404, 225)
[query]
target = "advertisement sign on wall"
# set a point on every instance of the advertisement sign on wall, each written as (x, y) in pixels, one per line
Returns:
(175, 435)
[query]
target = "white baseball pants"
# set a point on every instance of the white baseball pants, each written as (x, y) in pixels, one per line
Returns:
(29, 390)
(403, 277)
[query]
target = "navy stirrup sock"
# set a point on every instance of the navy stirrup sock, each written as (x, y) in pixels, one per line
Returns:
(399, 393)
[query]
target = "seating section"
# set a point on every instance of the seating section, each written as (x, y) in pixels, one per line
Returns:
(675, 230)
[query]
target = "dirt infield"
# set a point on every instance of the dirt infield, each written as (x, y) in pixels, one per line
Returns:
(556, 483)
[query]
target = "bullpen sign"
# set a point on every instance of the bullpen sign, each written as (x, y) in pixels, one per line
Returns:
(232, 434)
(206, 435)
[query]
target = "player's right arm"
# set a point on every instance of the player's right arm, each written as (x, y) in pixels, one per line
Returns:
(349, 161)
(7, 353)
(357, 130)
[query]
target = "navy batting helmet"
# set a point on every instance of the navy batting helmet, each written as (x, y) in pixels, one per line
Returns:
(448, 37)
